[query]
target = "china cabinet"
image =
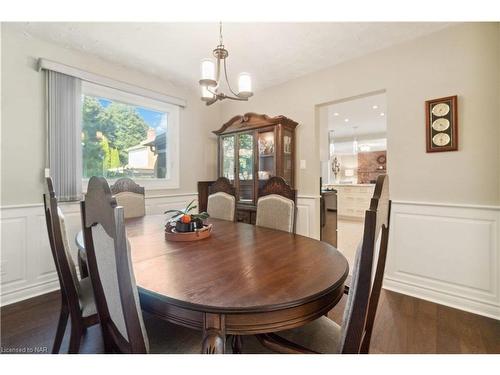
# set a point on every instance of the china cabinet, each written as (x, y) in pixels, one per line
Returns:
(252, 148)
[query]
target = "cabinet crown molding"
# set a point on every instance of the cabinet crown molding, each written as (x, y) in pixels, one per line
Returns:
(252, 120)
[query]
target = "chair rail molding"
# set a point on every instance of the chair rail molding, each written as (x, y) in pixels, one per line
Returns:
(446, 253)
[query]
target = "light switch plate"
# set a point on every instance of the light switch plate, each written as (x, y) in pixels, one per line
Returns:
(46, 172)
(302, 164)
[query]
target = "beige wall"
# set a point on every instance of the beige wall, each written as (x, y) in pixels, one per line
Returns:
(23, 117)
(463, 60)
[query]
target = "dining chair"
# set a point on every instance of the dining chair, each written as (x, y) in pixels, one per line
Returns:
(324, 335)
(77, 299)
(221, 203)
(117, 299)
(130, 196)
(276, 206)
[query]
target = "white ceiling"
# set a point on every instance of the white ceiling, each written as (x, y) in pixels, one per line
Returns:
(361, 114)
(272, 53)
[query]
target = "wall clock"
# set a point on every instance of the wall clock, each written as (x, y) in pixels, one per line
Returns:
(441, 125)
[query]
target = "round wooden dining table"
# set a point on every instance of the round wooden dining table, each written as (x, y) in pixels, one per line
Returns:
(242, 280)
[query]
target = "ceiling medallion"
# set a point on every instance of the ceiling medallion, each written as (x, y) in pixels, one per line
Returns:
(211, 77)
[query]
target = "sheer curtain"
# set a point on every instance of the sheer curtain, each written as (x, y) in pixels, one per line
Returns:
(64, 128)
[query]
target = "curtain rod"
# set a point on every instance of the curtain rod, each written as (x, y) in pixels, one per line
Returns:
(109, 82)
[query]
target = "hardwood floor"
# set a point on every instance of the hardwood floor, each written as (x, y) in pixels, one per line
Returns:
(403, 325)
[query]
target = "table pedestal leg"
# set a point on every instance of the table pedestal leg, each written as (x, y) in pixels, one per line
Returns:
(236, 344)
(214, 334)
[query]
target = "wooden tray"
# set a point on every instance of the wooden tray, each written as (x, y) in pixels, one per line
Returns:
(172, 235)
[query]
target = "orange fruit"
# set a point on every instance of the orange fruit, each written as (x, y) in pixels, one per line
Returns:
(186, 219)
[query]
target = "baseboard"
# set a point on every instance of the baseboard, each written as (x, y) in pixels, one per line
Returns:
(29, 291)
(440, 298)
(446, 253)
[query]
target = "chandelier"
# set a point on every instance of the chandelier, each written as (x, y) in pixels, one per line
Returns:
(211, 77)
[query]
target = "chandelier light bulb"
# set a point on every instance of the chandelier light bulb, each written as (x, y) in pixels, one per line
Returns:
(208, 73)
(206, 95)
(244, 84)
(207, 69)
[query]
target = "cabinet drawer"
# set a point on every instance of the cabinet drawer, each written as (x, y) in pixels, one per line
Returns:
(353, 201)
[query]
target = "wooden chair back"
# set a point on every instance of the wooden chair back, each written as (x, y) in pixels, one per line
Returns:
(65, 267)
(368, 272)
(130, 196)
(110, 268)
(278, 186)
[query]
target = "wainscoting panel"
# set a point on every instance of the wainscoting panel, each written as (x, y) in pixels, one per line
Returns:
(447, 254)
(13, 260)
(307, 216)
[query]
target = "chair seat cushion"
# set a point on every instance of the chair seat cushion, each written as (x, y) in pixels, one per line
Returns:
(87, 303)
(321, 335)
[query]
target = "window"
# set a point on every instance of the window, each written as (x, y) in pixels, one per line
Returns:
(126, 135)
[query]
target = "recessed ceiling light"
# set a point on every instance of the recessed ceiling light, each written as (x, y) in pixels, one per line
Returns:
(382, 114)
(346, 120)
(336, 114)
(375, 106)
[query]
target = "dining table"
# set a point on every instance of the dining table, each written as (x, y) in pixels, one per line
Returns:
(241, 280)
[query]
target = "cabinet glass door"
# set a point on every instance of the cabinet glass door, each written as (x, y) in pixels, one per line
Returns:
(267, 156)
(228, 166)
(288, 157)
(245, 168)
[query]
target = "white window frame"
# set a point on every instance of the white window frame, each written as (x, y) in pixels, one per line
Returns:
(173, 113)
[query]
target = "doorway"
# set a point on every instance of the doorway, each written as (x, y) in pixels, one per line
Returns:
(353, 153)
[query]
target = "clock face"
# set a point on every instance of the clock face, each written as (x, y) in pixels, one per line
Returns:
(441, 124)
(440, 109)
(441, 139)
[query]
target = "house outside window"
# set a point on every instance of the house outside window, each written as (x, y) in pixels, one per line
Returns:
(126, 135)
